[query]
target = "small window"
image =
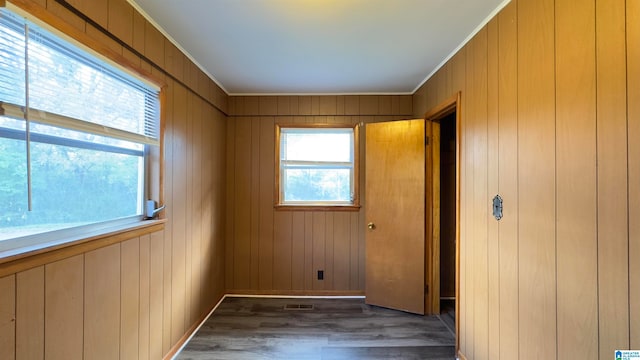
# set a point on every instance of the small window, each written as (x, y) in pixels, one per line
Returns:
(317, 166)
(75, 133)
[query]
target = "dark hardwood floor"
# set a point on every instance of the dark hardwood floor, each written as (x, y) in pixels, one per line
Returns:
(260, 328)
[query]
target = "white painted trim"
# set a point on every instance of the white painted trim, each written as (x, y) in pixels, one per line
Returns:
(174, 42)
(464, 42)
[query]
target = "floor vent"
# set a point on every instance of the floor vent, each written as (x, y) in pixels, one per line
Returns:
(298, 307)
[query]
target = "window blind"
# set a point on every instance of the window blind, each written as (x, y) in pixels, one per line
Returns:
(70, 88)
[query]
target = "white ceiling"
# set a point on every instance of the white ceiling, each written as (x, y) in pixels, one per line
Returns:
(319, 46)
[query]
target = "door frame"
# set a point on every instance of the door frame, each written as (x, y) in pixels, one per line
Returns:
(432, 257)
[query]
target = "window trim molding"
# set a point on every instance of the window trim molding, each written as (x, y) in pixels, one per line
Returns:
(354, 205)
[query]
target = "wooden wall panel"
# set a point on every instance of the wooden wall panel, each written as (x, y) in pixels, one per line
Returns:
(30, 314)
(508, 180)
(576, 180)
(493, 240)
(156, 295)
(102, 303)
(144, 314)
(613, 241)
(269, 251)
(536, 125)
(633, 113)
(63, 309)
(8, 317)
(477, 121)
(130, 299)
(567, 170)
(138, 298)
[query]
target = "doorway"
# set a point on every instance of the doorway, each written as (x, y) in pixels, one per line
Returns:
(442, 219)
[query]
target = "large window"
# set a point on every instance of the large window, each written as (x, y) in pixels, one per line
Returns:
(74, 134)
(317, 166)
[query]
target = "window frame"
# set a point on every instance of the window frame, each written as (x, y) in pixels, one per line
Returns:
(354, 205)
(153, 156)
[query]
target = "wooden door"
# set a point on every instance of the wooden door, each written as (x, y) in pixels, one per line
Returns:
(395, 214)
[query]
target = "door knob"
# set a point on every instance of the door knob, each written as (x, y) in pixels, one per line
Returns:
(371, 226)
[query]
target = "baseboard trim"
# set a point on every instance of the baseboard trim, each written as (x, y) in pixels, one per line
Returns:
(175, 350)
(297, 293)
(461, 356)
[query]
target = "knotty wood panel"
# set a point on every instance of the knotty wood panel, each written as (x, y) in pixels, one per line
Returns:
(508, 180)
(30, 314)
(63, 308)
(576, 180)
(613, 241)
(633, 113)
(8, 317)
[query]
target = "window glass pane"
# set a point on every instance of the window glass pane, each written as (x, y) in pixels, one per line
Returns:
(332, 185)
(71, 187)
(332, 145)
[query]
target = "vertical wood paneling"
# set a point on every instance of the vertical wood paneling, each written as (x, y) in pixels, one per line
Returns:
(167, 236)
(254, 209)
(63, 309)
(468, 254)
(508, 180)
(156, 295)
(493, 189)
(129, 299)
(242, 206)
(536, 100)
(298, 251)
(8, 317)
(30, 314)
(179, 185)
(356, 268)
(231, 205)
(328, 251)
(265, 203)
(576, 180)
(198, 205)
(341, 250)
(145, 301)
(282, 250)
(122, 304)
(633, 113)
(318, 238)
(192, 103)
(480, 208)
(613, 267)
(102, 303)
(309, 251)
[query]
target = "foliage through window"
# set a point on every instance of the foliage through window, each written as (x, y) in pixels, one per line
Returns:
(317, 165)
(74, 131)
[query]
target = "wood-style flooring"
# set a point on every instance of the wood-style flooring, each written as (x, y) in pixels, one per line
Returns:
(261, 328)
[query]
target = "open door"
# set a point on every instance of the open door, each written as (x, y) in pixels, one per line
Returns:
(395, 215)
